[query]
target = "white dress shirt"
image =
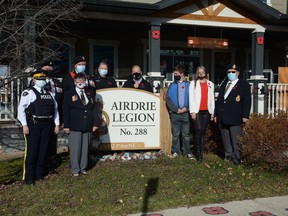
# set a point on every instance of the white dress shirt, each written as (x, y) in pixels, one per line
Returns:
(233, 83)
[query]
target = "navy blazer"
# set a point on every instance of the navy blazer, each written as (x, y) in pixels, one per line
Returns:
(79, 117)
(236, 106)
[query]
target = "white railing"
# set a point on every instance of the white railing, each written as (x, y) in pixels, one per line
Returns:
(276, 98)
(11, 89)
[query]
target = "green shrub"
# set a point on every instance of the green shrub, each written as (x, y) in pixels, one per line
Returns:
(265, 141)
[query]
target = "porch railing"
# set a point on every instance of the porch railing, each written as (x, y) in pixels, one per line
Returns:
(11, 89)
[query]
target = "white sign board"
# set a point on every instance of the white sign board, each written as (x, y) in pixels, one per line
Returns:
(132, 117)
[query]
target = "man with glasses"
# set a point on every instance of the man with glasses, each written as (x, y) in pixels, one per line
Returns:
(232, 111)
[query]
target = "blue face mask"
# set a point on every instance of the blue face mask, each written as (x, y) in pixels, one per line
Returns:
(80, 68)
(40, 83)
(231, 76)
(103, 72)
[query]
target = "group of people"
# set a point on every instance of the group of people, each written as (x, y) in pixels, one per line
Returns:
(48, 104)
(195, 101)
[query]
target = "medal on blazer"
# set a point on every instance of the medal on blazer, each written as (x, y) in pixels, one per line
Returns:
(91, 101)
(238, 98)
(74, 98)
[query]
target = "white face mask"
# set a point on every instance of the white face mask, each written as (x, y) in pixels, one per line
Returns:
(80, 85)
(40, 83)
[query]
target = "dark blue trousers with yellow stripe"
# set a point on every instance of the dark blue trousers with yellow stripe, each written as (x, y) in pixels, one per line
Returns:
(36, 145)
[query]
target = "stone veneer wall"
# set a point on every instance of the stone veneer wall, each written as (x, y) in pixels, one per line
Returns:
(12, 140)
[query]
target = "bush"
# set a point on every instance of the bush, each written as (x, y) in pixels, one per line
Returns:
(265, 141)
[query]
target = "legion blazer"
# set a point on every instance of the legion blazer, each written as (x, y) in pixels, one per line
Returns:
(236, 106)
(79, 117)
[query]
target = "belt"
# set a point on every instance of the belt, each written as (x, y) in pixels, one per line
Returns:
(42, 117)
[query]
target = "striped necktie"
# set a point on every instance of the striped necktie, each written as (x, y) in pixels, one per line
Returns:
(227, 87)
(83, 100)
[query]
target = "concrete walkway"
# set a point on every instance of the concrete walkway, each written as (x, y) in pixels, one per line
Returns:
(272, 206)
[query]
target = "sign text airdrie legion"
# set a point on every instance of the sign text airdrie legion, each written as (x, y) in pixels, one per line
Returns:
(133, 118)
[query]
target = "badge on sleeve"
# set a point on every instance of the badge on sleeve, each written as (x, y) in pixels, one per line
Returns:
(238, 98)
(25, 93)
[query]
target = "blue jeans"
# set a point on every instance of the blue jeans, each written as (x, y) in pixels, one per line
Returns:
(180, 124)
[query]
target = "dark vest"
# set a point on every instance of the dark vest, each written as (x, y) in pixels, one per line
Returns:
(43, 105)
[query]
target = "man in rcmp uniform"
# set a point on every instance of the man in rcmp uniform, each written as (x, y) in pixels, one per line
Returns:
(102, 79)
(54, 86)
(80, 119)
(37, 111)
(232, 111)
(137, 81)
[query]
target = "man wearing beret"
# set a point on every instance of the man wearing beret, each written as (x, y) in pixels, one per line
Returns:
(232, 111)
(37, 111)
(79, 63)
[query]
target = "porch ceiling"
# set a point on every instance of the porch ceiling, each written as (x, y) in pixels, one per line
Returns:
(254, 8)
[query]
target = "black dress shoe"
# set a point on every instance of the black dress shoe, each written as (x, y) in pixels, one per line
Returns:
(236, 161)
(29, 182)
(53, 172)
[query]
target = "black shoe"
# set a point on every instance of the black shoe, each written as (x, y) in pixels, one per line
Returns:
(236, 161)
(53, 172)
(29, 182)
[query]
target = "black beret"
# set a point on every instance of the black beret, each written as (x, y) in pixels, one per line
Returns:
(38, 74)
(78, 59)
(233, 67)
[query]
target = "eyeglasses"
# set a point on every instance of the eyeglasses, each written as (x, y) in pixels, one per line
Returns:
(231, 72)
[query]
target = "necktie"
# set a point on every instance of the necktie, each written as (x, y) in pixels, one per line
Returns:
(82, 97)
(227, 87)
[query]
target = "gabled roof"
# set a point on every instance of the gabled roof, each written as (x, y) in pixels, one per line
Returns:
(251, 8)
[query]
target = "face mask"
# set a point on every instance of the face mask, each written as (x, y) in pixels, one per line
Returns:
(103, 72)
(136, 76)
(231, 76)
(177, 78)
(80, 85)
(80, 68)
(40, 83)
(48, 73)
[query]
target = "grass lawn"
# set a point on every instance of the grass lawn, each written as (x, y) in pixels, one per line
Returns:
(119, 188)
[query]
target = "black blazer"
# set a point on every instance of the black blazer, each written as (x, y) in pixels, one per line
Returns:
(144, 85)
(78, 117)
(236, 106)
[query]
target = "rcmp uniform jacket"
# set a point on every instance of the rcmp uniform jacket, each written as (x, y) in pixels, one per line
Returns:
(104, 82)
(79, 117)
(31, 105)
(236, 106)
(143, 85)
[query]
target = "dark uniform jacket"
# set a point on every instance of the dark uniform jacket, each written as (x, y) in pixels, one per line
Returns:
(236, 106)
(58, 88)
(68, 81)
(144, 85)
(104, 82)
(79, 117)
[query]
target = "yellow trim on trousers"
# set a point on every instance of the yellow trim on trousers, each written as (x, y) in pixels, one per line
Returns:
(25, 155)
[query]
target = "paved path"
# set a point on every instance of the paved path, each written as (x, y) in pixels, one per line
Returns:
(273, 206)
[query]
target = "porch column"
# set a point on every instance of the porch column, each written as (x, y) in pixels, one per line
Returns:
(154, 47)
(257, 77)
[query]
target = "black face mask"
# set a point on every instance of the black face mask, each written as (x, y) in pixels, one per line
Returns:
(49, 73)
(136, 76)
(177, 78)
